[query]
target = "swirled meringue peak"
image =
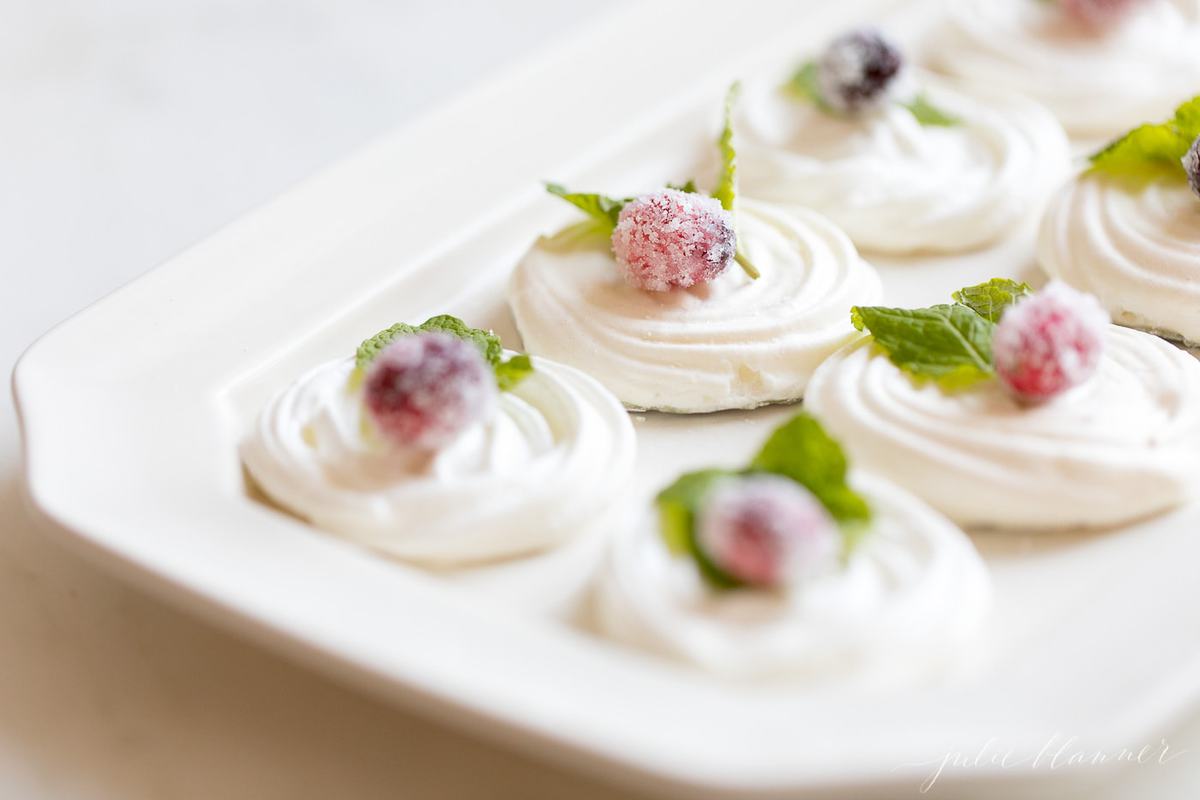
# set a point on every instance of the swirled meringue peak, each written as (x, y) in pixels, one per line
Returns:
(531, 489)
(898, 186)
(904, 598)
(1097, 81)
(733, 342)
(1136, 247)
(1125, 444)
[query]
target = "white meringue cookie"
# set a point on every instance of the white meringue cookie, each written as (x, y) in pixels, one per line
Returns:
(1136, 248)
(896, 186)
(1098, 84)
(731, 343)
(909, 599)
(1123, 445)
(542, 478)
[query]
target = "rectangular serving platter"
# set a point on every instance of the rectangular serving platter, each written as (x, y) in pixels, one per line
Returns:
(1094, 637)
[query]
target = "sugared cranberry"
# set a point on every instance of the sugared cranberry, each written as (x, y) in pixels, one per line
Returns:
(1049, 342)
(766, 530)
(673, 239)
(1191, 165)
(1099, 13)
(857, 69)
(425, 389)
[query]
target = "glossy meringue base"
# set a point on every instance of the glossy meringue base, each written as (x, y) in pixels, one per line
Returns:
(1098, 85)
(731, 343)
(1136, 248)
(1122, 446)
(907, 604)
(532, 490)
(896, 186)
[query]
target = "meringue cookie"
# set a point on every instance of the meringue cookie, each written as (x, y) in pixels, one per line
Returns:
(1098, 84)
(546, 470)
(896, 186)
(909, 599)
(1123, 445)
(1136, 248)
(730, 343)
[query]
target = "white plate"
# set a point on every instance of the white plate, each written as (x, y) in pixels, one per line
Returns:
(133, 409)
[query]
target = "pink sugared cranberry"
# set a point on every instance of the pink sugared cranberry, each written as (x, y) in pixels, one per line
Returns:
(1099, 13)
(423, 390)
(857, 70)
(673, 239)
(1049, 342)
(766, 530)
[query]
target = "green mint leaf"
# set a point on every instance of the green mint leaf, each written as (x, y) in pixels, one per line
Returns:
(804, 84)
(726, 191)
(487, 342)
(585, 233)
(689, 187)
(801, 449)
(950, 344)
(990, 300)
(930, 115)
(508, 373)
(1152, 151)
(603, 209)
(1148, 151)
(511, 372)
(678, 508)
(1187, 118)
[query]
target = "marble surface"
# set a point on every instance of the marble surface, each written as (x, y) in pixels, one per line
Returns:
(128, 130)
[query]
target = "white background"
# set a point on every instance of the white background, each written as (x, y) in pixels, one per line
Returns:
(128, 130)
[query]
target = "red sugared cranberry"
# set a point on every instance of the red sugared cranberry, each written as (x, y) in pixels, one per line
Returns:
(423, 390)
(1191, 165)
(857, 69)
(673, 239)
(1099, 13)
(766, 530)
(1049, 342)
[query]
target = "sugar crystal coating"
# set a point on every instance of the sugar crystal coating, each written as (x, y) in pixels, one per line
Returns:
(423, 390)
(767, 531)
(671, 239)
(1049, 342)
(857, 69)
(1191, 165)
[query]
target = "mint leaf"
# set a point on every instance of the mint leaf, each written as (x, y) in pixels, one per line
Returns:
(726, 190)
(1147, 151)
(1187, 118)
(1152, 151)
(678, 508)
(689, 187)
(511, 372)
(928, 114)
(950, 344)
(487, 342)
(801, 449)
(804, 84)
(508, 373)
(679, 502)
(602, 209)
(990, 300)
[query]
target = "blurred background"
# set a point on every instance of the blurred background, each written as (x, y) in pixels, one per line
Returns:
(130, 129)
